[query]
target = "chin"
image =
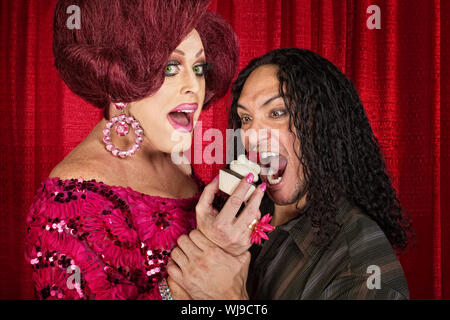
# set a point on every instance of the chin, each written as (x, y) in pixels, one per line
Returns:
(280, 198)
(285, 195)
(179, 140)
(181, 145)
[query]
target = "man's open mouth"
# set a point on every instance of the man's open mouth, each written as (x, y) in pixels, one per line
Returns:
(182, 117)
(273, 165)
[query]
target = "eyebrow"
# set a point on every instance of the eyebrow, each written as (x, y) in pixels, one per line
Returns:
(182, 53)
(265, 103)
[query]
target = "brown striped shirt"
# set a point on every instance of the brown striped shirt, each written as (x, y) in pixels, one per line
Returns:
(290, 266)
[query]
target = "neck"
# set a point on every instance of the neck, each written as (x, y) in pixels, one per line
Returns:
(285, 213)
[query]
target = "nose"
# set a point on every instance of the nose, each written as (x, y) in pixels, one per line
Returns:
(260, 134)
(190, 82)
(262, 128)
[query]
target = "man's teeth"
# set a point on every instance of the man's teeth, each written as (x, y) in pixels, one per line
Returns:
(268, 154)
(186, 111)
(263, 160)
(272, 180)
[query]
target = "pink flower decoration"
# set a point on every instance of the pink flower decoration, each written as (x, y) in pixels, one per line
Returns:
(162, 221)
(260, 229)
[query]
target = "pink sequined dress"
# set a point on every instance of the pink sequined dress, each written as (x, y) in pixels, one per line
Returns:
(88, 240)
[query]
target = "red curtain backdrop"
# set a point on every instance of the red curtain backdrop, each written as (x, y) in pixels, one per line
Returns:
(397, 70)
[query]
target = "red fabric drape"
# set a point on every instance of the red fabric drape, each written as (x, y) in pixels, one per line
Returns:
(396, 70)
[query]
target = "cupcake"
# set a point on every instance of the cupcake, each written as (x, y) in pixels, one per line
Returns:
(239, 169)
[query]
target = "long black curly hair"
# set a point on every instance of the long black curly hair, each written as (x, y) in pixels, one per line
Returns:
(338, 151)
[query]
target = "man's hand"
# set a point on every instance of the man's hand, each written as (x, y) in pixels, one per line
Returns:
(223, 228)
(177, 292)
(205, 271)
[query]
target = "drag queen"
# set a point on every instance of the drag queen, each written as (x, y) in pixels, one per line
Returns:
(104, 222)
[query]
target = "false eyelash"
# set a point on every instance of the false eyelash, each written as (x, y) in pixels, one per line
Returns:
(173, 63)
(207, 66)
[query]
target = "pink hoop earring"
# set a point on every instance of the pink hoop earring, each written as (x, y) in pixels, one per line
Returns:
(122, 123)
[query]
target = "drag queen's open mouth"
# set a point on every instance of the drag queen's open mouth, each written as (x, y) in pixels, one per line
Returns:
(182, 117)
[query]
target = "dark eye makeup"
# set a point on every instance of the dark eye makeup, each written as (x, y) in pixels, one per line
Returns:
(173, 68)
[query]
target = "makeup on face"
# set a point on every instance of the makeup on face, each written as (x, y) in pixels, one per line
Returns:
(182, 116)
(169, 115)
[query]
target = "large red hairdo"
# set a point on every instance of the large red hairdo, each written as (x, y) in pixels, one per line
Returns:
(122, 47)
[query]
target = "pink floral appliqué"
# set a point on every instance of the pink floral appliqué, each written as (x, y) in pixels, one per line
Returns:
(261, 227)
(162, 222)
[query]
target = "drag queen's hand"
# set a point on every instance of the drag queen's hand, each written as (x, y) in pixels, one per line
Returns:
(223, 228)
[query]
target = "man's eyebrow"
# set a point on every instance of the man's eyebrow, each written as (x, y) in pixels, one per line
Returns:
(242, 107)
(264, 104)
(182, 53)
(271, 99)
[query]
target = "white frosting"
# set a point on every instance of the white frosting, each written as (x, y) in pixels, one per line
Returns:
(243, 166)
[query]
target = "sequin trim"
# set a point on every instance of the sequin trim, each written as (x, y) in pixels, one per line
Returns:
(164, 290)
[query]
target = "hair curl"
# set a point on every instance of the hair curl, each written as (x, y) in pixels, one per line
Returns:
(338, 151)
(122, 47)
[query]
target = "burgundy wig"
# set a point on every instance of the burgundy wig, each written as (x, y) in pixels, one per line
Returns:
(122, 48)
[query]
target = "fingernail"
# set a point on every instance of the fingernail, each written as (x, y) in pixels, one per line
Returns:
(250, 178)
(217, 177)
(263, 186)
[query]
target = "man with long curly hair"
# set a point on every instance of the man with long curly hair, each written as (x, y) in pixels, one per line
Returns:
(338, 219)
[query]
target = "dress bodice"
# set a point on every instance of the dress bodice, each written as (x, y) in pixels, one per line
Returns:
(89, 240)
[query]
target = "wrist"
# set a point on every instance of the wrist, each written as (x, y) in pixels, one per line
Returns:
(244, 296)
(238, 295)
(241, 296)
